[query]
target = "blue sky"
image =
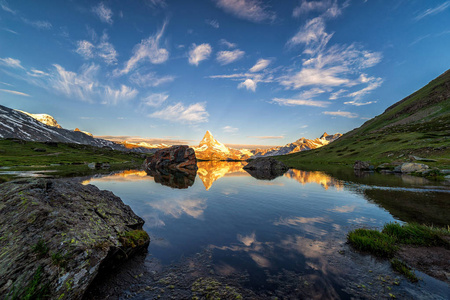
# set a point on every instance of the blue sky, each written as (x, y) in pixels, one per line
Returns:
(250, 71)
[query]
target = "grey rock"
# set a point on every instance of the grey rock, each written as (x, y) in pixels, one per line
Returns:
(60, 234)
(361, 165)
(411, 167)
(266, 168)
(413, 157)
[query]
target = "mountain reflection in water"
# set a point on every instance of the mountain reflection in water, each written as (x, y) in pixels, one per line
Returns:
(282, 237)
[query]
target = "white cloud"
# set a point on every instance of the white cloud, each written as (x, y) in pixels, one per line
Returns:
(199, 53)
(213, 23)
(373, 83)
(147, 49)
(337, 94)
(433, 11)
(312, 35)
(5, 7)
(11, 62)
(229, 129)
(106, 51)
(150, 79)
(85, 49)
(227, 57)
(37, 73)
(84, 86)
(103, 12)
(316, 76)
(155, 99)
(194, 113)
(249, 84)
(260, 65)
(251, 10)
(339, 113)
(114, 96)
(296, 102)
(310, 6)
(15, 92)
(228, 44)
(38, 24)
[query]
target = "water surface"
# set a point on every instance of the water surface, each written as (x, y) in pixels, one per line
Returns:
(287, 235)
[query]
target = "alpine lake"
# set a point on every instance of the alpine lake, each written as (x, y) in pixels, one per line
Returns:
(225, 234)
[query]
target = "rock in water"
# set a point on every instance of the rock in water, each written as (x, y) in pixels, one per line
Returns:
(56, 235)
(266, 168)
(180, 158)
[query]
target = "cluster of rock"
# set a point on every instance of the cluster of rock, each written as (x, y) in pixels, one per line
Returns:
(175, 166)
(56, 235)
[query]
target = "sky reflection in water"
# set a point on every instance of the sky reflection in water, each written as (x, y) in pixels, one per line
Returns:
(292, 223)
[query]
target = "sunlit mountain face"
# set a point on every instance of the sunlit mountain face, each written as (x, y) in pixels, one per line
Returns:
(210, 171)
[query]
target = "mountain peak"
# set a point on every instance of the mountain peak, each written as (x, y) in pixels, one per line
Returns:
(208, 139)
(43, 118)
(324, 135)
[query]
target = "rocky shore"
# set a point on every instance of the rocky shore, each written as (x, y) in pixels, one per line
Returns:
(56, 235)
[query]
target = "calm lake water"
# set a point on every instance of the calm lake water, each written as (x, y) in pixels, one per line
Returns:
(284, 237)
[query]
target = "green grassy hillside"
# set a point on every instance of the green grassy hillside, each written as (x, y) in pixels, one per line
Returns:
(64, 159)
(417, 125)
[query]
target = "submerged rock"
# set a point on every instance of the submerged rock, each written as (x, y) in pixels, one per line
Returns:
(56, 235)
(266, 168)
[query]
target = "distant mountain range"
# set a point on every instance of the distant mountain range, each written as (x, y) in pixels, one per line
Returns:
(44, 128)
(211, 149)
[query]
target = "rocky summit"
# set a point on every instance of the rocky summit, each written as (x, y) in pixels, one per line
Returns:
(57, 235)
(211, 149)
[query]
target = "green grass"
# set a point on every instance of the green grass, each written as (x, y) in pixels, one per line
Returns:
(133, 238)
(64, 159)
(40, 249)
(373, 241)
(385, 244)
(402, 268)
(35, 289)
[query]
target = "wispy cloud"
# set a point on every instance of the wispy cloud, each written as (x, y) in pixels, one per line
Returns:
(312, 35)
(328, 7)
(114, 96)
(147, 49)
(247, 80)
(228, 44)
(251, 10)
(4, 5)
(372, 83)
(345, 114)
(104, 13)
(155, 99)
(260, 65)
(297, 102)
(193, 114)
(267, 137)
(10, 31)
(230, 129)
(37, 24)
(213, 23)
(15, 92)
(199, 53)
(11, 62)
(103, 50)
(150, 79)
(433, 11)
(227, 57)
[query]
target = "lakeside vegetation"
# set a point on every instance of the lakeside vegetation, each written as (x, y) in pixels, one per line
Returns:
(388, 242)
(62, 159)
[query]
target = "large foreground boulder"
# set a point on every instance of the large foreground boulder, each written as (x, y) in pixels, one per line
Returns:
(56, 235)
(266, 168)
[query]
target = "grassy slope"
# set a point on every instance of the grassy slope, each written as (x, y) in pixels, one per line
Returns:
(418, 125)
(66, 159)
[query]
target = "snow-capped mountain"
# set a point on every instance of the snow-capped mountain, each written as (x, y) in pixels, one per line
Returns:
(211, 149)
(18, 125)
(301, 144)
(43, 118)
